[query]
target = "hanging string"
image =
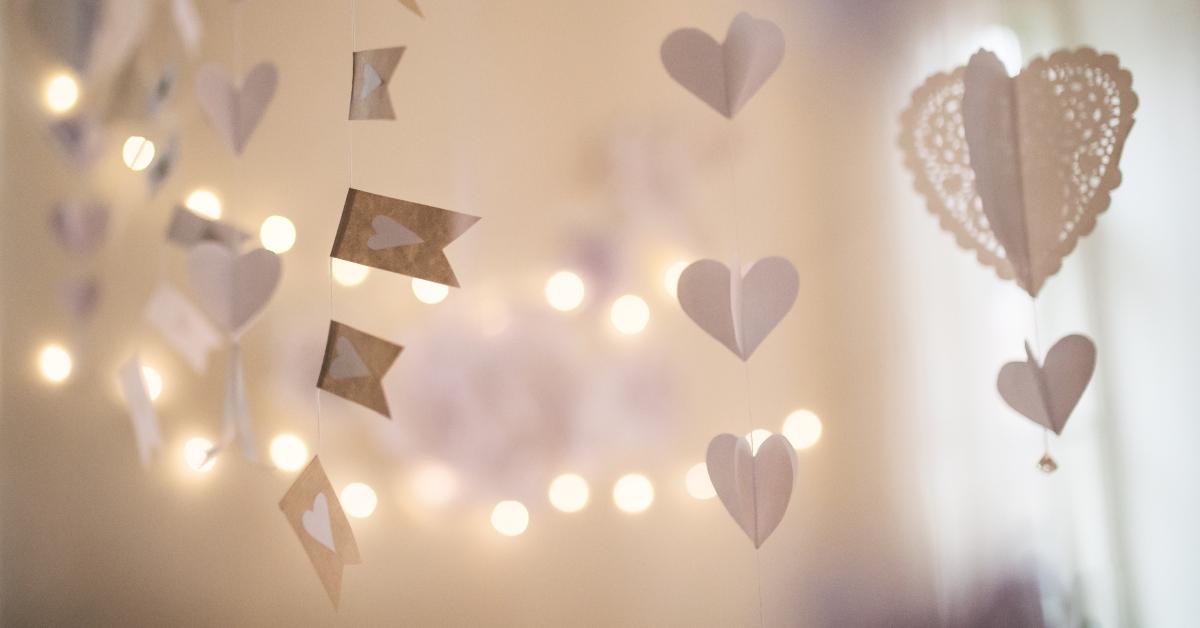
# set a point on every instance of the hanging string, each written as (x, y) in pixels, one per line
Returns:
(1036, 345)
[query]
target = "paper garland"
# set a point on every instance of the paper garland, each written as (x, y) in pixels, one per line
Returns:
(725, 75)
(183, 326)
(354, 365)
(755, 487)
(1047, 393)
(232, 288)
(369, 97)
(312, 508)
(738, 310)
(235, 112)
(141, 410)
(187, 229)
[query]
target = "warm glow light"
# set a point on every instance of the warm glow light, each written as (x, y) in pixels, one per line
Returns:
(205, 203)
(429, 292)
(699, 485)
(62, 92)
(54, 363)
(671, 277)
(359, 500)
(510, 518)
(153, 382)
(137, 153)
(346, 273)
(434, 484)
(569, 492)
(633, 493)
(197, 454)
(756, 438)
(289, 452)
(564, 291)
(277, 234)
(630, 314)
(802, 428)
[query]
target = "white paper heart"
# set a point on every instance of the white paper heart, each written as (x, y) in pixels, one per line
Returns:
(347, 364)
(390, 234)
(232, 288)
(755, 488)
(725, 76)
(317, 524)
(234, 112)
(739, 311)
(1047, 393)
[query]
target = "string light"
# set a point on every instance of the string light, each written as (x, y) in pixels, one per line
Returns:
(434, 484)
(802, 428)
(288, 452)
(204, 203)
(153, 382)
(510, 518)
(564, 291)
(756, 438)
(348, 274)
(671, 278)
(62, 93)
(277, 234)
(137, 152)
(197, 454)
(630, 314)
(569, 492)
(429, 292)
(699, 485)
(359, 500)
(633, 493)
(55, 363)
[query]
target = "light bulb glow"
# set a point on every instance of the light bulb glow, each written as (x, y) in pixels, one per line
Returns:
(204, 203)
(671, 278)
(359, 500)
(429, 292)
(802, 428)
(197, 453)
(630, 314)
(564, 291)
(153, 382)
(756, 438)
(569, 492)
(633, 493)
(699, 485)
(346, 273)
(55, 363)
(137, 153)
(510, 518)
(434, 484)
(289, 452)
(277, 234)
(62, 93)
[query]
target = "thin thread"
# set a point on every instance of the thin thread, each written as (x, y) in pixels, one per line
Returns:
(1037, 351)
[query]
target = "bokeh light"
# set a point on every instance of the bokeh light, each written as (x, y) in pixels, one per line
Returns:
(137, 153)
(153, 382)
(55, 363)
(434, 484)
(630, 314)
(671, 278)
(197, 454)
(359, 500)
(346, 273)
(429, 291)
(756, 438)
(802, 428)
(205, 203)
(633, 493)
(569, 492)
(510, 518)
(277, 234)
(62, 93)
(289, 452)
(699, 485)
(564, 291)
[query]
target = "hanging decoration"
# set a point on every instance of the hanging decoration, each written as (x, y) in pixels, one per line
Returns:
(1047, 393)
(754, 486)
(411, 5)
(141, 410)
(354, 365)
(235, 112)
(369, 97)
(312, 508)
(187, 229)
(183, 326)
(738, 310)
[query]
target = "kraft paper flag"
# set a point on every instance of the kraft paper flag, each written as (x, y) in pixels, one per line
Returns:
(754, 487)
(312, 508)
(234, 112)
(354, 365)
(164, 164)
(399, 236)
(141, 410)
(187, 229)
(738, 310)
(81, 296)
(373, 69)
(183, 326)
(232, 288)
(80, 226)
(1047, 393)
(1019, 169)
(80, 137)
(725, 75)
(92, 36)
(411, 5)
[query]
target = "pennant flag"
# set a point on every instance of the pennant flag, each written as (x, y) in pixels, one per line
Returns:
(354, 366)
(369, 99)
(316, 515)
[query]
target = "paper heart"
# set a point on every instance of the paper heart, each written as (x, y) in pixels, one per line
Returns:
(1018, 169)
(739, 311)
(725, 75)
(317, 523)
(80, 226)
(234, 112)
(232, 288)
(1047, 393)
(93, 36)
(347, 364)
(389, 234)
(755, 488)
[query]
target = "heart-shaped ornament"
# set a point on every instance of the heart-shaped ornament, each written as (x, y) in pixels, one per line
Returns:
(234, 112)
(232, 288)
(1047, 393)
(725, 75)
(754, 487)
(739, 311)
(317, 524)
(1018, 169)
(389, 234)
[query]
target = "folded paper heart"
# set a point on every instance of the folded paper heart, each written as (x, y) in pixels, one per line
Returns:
(234, 112)
(725, 75)
(754, 487)
(739, 311)
(316, 522)
(1019, 169)
(1047, 393)
(232, 288)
